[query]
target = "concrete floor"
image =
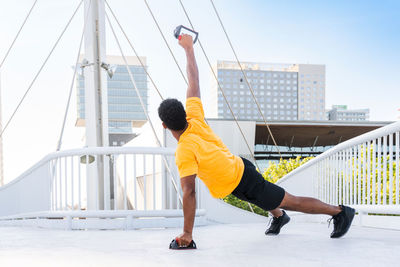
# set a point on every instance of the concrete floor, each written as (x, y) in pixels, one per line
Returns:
(299, 244)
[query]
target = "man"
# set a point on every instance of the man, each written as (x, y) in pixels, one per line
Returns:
(201, 153)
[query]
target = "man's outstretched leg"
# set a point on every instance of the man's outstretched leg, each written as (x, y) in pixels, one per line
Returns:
(342, 216)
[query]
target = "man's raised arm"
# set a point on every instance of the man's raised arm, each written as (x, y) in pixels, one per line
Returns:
(186, 41)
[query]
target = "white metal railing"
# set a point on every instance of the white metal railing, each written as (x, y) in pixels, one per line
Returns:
(135, 180)
(362, 172)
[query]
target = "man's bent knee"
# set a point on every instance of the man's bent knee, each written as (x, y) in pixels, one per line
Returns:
(289, 202)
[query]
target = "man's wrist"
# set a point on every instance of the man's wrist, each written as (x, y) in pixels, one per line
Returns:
(189, 49)
(187, 232)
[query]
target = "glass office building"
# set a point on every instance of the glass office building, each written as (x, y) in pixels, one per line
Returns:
(124, 108)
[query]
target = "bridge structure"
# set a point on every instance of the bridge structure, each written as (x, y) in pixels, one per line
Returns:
(137, 188)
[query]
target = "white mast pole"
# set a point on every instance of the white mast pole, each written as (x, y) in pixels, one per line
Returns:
(96, 108)
(1, 142)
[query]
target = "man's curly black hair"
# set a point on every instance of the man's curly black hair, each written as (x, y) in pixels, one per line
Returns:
(172, 113)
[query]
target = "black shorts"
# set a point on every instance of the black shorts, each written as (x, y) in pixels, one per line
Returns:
(255, 189)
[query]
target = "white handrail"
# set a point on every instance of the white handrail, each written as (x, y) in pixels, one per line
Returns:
(386, 130)
(92, 151)
(362, 172)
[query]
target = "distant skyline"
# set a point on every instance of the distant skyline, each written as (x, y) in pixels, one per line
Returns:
(357, 41)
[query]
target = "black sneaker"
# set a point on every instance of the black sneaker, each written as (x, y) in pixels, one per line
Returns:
(342, 221)
(277, 224)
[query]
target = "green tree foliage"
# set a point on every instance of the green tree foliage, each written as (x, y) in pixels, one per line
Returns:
(272, 173)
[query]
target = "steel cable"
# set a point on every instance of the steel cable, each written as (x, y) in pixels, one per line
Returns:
(41, 68)
(220, 87)
(143, 105)
(16, 36)
(245, 77)
(73, 79)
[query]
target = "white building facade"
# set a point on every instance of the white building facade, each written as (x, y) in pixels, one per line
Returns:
(284, 91)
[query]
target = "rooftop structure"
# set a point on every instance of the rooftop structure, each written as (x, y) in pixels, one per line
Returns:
(341, 113)
(294, 138)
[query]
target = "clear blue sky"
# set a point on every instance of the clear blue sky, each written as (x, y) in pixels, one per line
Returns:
(358, 41)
